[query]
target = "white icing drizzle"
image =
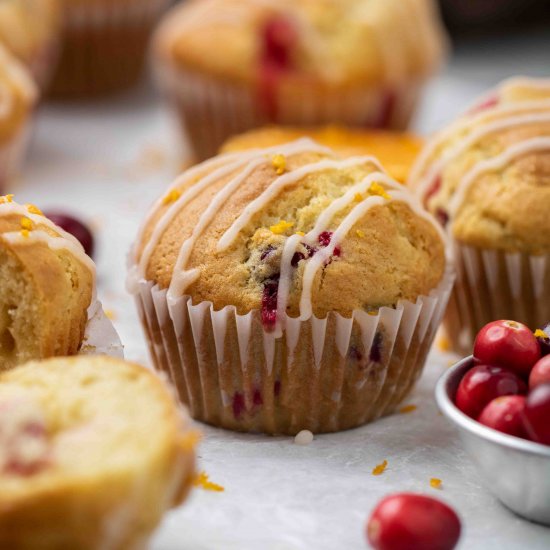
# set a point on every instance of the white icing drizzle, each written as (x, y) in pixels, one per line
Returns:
(223, 166)
(478, 134)
(181, 277)
(64, 241)
(516, 150)
(280, 183)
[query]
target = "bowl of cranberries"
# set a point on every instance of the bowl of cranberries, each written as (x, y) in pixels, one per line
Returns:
(499, 399)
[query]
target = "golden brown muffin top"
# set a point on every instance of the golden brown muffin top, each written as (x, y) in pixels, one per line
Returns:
(293, 228)
(335, 42)
(396, 151)
(18, 95)
(487, 176)
(27, 26)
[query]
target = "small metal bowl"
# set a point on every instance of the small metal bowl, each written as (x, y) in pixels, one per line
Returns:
(515, 470)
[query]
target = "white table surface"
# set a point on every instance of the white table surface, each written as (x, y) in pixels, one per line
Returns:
(106, 162)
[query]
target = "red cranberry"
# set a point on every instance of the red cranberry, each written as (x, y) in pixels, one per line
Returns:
(540, 374)
(544, 340)
(442, 216)
(505, 414)
(75, 228)
(239, 405)
(269, 304)
(266, 252)
(482, 384)
(376, 348)
(407, 521)
(507, 344)
(487, 104)
(536, 416)
(324, 240)
(279, 36)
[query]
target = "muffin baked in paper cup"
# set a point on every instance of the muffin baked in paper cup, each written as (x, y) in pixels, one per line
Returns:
(100, 336)
(211, 110)
(104, 45)
(324, 375)
(492, 285)
(12, 154)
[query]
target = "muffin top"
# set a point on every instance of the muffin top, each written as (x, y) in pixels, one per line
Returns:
(290, 229)
(26, 26)
(18, 95)
(487, 176)
(334, 42)
(67, 423)
(396, 151)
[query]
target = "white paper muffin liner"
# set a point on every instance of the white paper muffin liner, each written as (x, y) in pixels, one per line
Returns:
(492, 285)
(323, 375)
(211, 110)
(105, 44)
(12, 154)
(100, 336)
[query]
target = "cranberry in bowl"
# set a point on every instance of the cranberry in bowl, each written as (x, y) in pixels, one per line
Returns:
(500, 433)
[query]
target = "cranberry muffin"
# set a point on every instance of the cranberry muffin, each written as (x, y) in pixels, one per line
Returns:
(104, 44)
(286, 288)
(93, 451)
(17, 102)
(31, 30)
(487, 179)
(294, 62)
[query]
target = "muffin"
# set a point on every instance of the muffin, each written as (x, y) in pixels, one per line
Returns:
(93, 452)
(286, 288)
(17, 101)
(47, 291)
(396, 151)
(227, 66)
(103, 45)
(31, 30)
(487, 178)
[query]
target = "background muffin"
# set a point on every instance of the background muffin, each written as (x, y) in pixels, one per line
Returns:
(396, 151)
(31, 30)
(17, 100)
(487, 178)
(93, 452)
(227, 66)
(104, 45)
(287, 277)
(47, 285)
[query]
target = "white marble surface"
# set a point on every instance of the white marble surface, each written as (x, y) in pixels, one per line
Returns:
(107, 162)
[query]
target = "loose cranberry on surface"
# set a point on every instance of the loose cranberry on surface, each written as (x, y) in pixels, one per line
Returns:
(483, 383)
(407, 521)
(507, 344)
(505, 414)
(540, 374)
(536, 416)
(75, 228)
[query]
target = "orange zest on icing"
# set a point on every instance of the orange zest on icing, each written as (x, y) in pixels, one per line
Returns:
(377, 189)
(5, 199)
(301, 233)
(541, 334)
(34, 209)
(202, 480)
(435, 483)
(379, 469)
(358, 197)
(360, 234)
(171, 197)
(281, 227)
(26, 224)
(279, 163)
(407, 409)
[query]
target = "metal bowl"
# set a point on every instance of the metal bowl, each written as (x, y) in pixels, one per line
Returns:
(515, 470)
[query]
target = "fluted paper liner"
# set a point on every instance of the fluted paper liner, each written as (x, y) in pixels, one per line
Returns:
(323, 375)
(105, 45)
(100, 336)
(211, 110)
(492, 285)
